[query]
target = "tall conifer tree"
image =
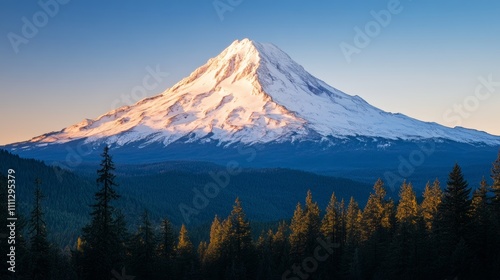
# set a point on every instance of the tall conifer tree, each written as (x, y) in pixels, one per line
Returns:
(102, 240)
(39, 246)
(433, 196)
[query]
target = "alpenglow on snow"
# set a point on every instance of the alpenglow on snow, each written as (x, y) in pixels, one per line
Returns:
(252, 93)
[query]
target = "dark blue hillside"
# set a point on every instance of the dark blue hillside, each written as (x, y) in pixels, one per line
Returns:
(359, 158)
(268, 194)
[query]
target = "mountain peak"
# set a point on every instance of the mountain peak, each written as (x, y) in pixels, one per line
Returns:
(252, 93)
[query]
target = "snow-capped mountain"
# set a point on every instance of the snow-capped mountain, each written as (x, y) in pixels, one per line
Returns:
(252, 93)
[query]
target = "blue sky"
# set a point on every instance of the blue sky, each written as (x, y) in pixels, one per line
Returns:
(426, 61)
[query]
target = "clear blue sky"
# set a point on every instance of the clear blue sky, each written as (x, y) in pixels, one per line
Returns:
(423, 63)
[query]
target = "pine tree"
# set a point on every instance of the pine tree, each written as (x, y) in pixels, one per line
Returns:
(407, 209)
(166, 247)
(479, 203)
(333, 228)
(482, 235)
(329, 224)
(342, 223)
(377, 212)
(184, 255)
(495, 188)
(263, 247)
(239, 241)
(214, 249)
(495, 212)
(377, 219)
(312, 222)
(279, 248)
(184, 245)
(202, 250)
(455, 206)
(429, 207)
(103, 245)
(298, 234)
(143, 249)
(241, 235)
(39, 246)
(402, 256)
(167, 244)
(353, 223)
(452, 224)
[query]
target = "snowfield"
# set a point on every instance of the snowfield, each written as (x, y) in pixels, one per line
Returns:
(253, 93)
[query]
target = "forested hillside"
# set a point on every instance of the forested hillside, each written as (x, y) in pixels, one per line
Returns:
(452, 233)
(270, 194)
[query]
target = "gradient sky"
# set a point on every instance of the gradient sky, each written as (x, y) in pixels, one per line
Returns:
(424, 63)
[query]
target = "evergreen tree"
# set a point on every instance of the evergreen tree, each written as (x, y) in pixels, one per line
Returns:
(184, 255)
(452, 224)
(341, 223)
(312, 222)
(429, 206)
(455, 206)
(279, 249)
(407, 209)
(103, 247)
(263, 247)
(482, 235)
(39, 246)
(143, 245)
(402, 256)
(215, 245)
(202, 250)
(495, 213)
(241, 235)
(353, 223)
(377, 221)
(239, 238)
(350, 266)
(213, 258)
(329, 224)
(166, 247)
(184, 245)
(332, 228)
(495, 188)
(298, 234)
(377, 212)
(22, 255)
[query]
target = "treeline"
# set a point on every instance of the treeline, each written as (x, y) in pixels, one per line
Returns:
(160, 189)
(451, 234)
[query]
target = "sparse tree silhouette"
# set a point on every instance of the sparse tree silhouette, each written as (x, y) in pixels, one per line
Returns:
(102, 240)
(39, 245)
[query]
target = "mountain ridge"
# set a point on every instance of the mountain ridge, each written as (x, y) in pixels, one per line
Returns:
(250, 93)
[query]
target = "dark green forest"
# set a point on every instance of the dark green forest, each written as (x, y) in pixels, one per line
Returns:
(452, 231)
(269, 194)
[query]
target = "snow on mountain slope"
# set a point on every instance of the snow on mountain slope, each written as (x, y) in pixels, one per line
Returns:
(253, 93)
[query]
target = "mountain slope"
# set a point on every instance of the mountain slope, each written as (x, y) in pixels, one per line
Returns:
(250, 93)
